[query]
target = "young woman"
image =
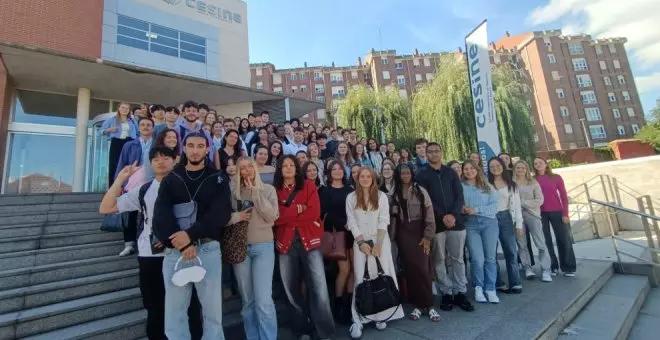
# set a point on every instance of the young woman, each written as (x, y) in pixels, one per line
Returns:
(333, 212)
(368, 214)
(344, 155)
(210, 119)
(554, 210)
(531, 200)
(383, 150)
(482, 231)
(168, 138)
(361, 157)
(457, 167)
(244, 128)
(298, 241)
(355, 169)
(506, 158)
(387, 178)
(217, 130)
(254, 276)
(119, 130)
(311, 138)
(391, 149)
(311, 173)
(405, 157)
(315, 156)
(413, 228)
(475, 158)
(396, 157)
(266, 172)
(229, 148)
(275, 153)
(262, 139)
(509, 220)
(302, 157)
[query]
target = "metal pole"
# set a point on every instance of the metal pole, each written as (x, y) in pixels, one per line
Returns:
(617, 194)
(592, 218)
(608, 210)
(651, 211)
(647, 230)
(584, 129)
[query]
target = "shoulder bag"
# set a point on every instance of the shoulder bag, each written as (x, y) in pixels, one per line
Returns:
(376, 295)
(234, 241)
(333, 243)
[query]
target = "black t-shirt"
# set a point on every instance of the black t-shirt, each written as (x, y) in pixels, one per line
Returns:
(333, 206)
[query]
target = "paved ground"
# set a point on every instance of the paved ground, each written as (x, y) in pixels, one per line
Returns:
(516, 317)
(603, 249)
(647, 324)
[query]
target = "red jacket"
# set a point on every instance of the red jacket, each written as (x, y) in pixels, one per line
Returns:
(306, 223)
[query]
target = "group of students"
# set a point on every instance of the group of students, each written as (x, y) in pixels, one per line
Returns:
(421, 218)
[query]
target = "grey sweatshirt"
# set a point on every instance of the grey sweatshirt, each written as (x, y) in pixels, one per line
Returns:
(531, 198)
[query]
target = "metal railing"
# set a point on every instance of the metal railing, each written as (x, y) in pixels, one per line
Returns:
(650, 224)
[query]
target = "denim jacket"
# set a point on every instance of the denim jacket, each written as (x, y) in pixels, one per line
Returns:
(112, 122)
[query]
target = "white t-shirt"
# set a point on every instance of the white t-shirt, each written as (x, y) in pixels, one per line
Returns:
(125, 130)
(130, 201)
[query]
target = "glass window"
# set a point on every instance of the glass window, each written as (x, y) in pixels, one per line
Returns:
(551, 59)
(166, 41)
(66, 104)
(130, 22)
(164, 50)
(575, 48)
(129, 32)
(130, 42)
(193, 56)
(621, 130)
(592, 113)
(192, 39)
(34, 168)
(568, 128)
(192, 48)
(588, 97)
(164, 31)
(616, 113)
(635, 128)
(597, 131)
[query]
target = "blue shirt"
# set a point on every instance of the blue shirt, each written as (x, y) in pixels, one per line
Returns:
(146, 146)
(485, 204)
(112, 122)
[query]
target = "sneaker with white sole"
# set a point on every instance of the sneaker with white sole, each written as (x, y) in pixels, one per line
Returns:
(529, 274)
(381, 326)
(356, 330)
(128, 250)
(492, 296)
(546, 277)
(479, 295)
(554, 272)
(569, 274)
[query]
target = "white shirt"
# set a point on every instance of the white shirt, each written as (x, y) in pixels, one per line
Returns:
(130, 201)
(293, 149)
(367, 223)
(125, 130)
(511, 202)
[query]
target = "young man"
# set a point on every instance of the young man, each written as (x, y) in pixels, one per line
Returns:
(297, 144)
(196, 243)
(157, 114)
(171, 116)
(150, 254)
(265, 116)
(190, 123)
(250, 118)
(420, 162)
(446, 192)
(324, 147)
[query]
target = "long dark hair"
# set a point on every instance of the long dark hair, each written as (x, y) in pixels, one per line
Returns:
(506, 175)
(304, 169)
(241, 130)
(237, 146)
(160, 140)
(278, 179)
(270, 154)
(328, 172)
(398, 190)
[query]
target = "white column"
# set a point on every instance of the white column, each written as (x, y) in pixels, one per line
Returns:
(287, 109)
(82, 121)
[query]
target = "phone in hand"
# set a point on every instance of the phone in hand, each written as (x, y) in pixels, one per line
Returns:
(370, 243)
(247, 205)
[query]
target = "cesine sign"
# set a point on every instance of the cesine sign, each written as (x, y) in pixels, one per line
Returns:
(210, 10)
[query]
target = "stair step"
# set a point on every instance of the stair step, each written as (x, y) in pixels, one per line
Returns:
(648, 319)
(49, 293)
(21, 277)
(22, 200)
(125, 326)
(32, 209)
(38, 257)
(611, 312)
(52, 317)
(48, 228)
(23, 243)
(51, 217)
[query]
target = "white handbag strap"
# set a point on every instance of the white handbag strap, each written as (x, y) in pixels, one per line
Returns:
(181, 257)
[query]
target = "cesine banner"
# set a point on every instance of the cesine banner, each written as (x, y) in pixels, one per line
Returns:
(481, 84)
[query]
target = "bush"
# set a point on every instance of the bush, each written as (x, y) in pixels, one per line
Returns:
(555, 163)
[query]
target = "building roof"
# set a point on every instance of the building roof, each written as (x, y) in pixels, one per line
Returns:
(513, 41)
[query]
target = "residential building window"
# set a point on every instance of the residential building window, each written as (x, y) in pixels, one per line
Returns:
(293, 76)
(603, 65)
(383, 60)
(626, 95)
(631, 112)
(427, 62)
(611, 96)
(588, 97)
(616, 63)
(318, 76)
(302, 76)
(547, 42)
(612, 48)
(584, 80)
(415, 62)
(529, 104)
(560, 93)
(277, 79)
(572, 145)
(303, 88)
(294, 89)
(278, 90)
(555, 75)
(564, 111)
(621, 130)
(320, 99)
(616, 113)
(575, 48)
(621, 79)
(597, 131)
(147, 36)
(399, 66)
(338, 92)
(429, 76)
(580, 64)
(568, 128)
(259, 72)
(607, 81)
(386, 75)
(418, 77)
(401, 79)
(354, 75)
(496, 59)
(260, 85)
(599, 49)
(592, 114)
(536, 138)
(336, 78)
(551, 59)
(635, 128)
(319, 88)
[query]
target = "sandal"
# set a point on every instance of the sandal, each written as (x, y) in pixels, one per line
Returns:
(434, 316)
(415, 315)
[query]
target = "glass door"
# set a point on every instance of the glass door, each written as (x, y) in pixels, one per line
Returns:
(97, 168)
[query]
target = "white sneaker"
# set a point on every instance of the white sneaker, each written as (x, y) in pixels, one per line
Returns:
(128, 250)
(492, 296)
(381, 325)
(569, 274)
(479, 295)
(546, 277)
(356, 330)
(529, 274)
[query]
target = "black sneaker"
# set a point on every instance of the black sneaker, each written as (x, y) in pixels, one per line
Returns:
(463, 303)
(447, 302)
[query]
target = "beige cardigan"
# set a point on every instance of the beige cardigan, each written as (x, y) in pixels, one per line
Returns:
(264, 213)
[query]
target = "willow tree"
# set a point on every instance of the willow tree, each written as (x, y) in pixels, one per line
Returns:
(367, 110)
(443, 111)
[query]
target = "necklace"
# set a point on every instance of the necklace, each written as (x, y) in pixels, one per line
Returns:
(198, 177)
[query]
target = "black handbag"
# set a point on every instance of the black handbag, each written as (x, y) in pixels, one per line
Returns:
(373, 296)
(115, 223)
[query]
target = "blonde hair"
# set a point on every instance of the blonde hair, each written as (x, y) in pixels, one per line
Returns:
(258, 184)
(373, 192)
(528, 173)
(118, 115)
(480, 181)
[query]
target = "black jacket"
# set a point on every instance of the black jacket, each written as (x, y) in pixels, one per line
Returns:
(446, 193)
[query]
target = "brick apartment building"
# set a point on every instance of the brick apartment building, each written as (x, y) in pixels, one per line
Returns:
(576, 84)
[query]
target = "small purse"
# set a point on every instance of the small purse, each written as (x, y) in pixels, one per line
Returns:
(333, 244)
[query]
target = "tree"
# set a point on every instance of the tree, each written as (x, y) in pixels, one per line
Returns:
(650, 133)
(443, 110)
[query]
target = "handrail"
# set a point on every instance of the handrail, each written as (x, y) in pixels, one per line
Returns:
(630, 211)
(581, 185)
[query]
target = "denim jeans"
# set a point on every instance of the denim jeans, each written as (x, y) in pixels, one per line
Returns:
(255, 284)
(299, 264)
(481, 240)
(209, 291)
(510, 249)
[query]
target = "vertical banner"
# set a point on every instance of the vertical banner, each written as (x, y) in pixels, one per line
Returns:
(481, 86)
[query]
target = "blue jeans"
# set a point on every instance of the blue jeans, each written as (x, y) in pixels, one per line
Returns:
(209, 291)
(482, 244)
(510, 249)
(255, 284)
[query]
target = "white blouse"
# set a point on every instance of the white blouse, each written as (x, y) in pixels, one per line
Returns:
(511, 201)
(367, 223)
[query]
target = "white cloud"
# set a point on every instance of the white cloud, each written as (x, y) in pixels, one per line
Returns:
(648, 83)
(636, 20)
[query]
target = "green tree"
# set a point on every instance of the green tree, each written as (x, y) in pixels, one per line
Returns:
(650, 133)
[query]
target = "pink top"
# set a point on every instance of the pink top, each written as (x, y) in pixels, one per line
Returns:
(554, 194)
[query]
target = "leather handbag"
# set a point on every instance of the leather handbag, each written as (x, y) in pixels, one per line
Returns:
(376, 295)
(333, 244)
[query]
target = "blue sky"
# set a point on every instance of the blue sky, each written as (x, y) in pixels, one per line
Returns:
(290, 32)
